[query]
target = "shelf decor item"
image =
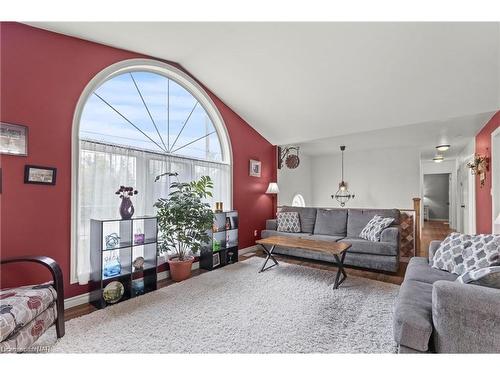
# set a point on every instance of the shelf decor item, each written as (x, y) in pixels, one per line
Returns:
(112, 240)
(113, 292)
(219, 207)
(184, 221)
(139, 238)
(138, 263)
(126, 207)
(111, 265)
(479, 167)
(13, 139)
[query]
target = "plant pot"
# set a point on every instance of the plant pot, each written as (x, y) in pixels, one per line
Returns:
(180, 269)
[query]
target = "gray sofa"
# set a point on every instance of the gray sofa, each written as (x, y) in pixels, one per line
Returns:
(344, 224)
(434, 313)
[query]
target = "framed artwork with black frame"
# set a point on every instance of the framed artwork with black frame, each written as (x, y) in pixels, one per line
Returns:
(216, 260)
(34, 174)
(13, 139)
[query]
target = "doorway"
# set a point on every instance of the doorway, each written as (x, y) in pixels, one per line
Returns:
(437, 193)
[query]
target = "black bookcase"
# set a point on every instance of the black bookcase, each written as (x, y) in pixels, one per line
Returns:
(223, 246)
(130, 239)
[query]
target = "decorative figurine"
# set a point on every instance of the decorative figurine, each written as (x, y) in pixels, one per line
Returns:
(139, 238)
(138, 263)
(112, 240)
(112, 266)
(228, 223)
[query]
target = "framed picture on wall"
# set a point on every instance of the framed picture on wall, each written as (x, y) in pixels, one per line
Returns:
(255, 167)
(34, 174)
(216, 260)
(13, 139)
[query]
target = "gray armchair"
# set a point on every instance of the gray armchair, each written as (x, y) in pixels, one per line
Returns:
(466, 317)
(437, 314)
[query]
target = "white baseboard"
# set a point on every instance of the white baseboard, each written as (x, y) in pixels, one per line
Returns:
(81, 299)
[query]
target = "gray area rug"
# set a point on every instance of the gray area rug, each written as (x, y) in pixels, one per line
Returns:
(287, 309)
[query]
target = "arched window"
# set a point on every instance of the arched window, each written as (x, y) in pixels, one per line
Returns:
(298, 201)
(136, 120)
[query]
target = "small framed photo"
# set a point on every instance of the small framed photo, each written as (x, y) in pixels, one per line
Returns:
(13, 139)
(216, 260)
(255, 167)
(34, 174)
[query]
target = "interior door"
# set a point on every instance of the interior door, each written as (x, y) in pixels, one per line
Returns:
(464, 205)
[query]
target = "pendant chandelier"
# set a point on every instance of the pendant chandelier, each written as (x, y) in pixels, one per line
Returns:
(343, 195)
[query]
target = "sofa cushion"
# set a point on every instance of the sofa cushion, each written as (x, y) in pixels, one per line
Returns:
(324, 237)
(288, 222)
(413, 315)
(307, 217)
(360, 245)
(19, 306)
(25, 336)
(373, 229)
(357, 218)
(268, 233)
(331, 222)
(419, 270)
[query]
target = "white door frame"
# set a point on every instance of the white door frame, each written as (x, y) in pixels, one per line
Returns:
(495, 175)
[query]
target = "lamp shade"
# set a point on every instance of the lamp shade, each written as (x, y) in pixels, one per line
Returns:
(272, 188)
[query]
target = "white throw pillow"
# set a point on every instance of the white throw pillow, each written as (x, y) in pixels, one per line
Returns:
(288, 222)
(375, 227)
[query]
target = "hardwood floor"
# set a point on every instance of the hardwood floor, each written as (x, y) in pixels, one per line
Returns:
(432, 230)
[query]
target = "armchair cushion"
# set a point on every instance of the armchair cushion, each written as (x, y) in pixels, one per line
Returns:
(465, 318)
(20, 306)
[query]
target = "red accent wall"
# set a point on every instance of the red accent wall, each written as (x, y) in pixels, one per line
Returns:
(42, 77)
(483, 194)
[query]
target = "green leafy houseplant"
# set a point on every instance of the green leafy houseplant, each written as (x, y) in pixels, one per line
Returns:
(184, 219)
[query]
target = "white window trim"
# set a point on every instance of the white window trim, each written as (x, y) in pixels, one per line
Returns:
(132, 65)
(300, 197)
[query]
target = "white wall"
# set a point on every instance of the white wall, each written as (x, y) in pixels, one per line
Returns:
(295, 181)
(379, 178)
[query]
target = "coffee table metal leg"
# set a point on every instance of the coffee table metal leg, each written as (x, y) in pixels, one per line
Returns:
(269, 256)
(340, 271)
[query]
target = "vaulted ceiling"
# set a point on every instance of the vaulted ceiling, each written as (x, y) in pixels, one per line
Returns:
(297, 82)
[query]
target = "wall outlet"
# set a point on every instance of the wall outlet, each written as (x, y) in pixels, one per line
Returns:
(255, 233)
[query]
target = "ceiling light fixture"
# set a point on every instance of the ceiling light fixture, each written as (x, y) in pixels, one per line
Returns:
(438, 158)
(443, 147)
(342, 195)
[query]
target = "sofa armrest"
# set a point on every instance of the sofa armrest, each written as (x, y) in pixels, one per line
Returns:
(58, 285)
(390, 234)
(466, 318)
(433, 246)
(272, 224)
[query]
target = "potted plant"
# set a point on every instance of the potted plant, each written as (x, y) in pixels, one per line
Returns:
(184, 220)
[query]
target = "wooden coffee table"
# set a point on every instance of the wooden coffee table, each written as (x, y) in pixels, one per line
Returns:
(337, 249)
